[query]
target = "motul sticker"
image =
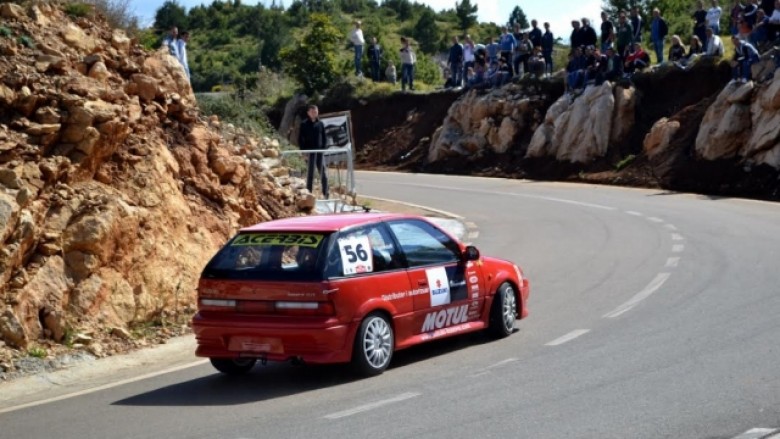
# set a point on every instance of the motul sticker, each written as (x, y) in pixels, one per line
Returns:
(439, 286)
(445, 317)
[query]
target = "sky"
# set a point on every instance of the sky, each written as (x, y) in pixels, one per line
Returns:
(558, 12)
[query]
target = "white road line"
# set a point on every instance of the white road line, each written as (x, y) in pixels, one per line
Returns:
(473, 235)
(655, 219)
(104, 387)
(568, 337)
(670, 226)
(371, 406)
(634, 213)
(471, 225)
(651, 288)
(678, 248)
(677, 237)
(501, 363)
(757, 433)
(673, 261)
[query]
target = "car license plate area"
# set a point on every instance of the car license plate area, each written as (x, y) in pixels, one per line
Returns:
(256, 344)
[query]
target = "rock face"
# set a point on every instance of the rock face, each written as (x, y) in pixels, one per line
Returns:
(113, 193)
(744, 122)
(480, 122)
(581, 130)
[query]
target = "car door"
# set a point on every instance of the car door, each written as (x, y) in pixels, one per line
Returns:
(364, 269)
(446, 289)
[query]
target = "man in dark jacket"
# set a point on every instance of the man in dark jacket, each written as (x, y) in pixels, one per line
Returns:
(455, 61)
(374, 56)
(658, 31)
(312, 137)
(535, 35)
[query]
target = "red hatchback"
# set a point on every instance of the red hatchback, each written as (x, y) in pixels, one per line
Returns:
(348, 287)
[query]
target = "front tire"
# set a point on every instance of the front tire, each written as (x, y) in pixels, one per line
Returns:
(233, 366)
(374, 345)
(503, 312)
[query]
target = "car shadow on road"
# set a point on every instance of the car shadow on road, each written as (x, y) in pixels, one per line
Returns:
(277, 380)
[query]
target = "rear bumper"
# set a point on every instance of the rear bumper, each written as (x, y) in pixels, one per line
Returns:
(525, 291)
(322, 341)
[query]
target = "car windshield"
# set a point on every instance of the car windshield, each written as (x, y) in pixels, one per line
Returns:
(286, 256)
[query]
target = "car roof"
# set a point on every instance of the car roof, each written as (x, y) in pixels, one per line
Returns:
(324, 223)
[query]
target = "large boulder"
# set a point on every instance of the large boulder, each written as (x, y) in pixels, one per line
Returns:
(726, 125)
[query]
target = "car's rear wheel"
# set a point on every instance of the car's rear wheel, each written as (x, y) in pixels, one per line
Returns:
(374, 344)
(503, 312)
(233, 366)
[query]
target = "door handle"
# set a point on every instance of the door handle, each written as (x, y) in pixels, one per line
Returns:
(326, 292)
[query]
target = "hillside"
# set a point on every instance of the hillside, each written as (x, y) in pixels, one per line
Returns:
(114, 190)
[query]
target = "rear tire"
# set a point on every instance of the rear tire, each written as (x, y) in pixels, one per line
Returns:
(503, 312)
(233, 366)
(374, 345)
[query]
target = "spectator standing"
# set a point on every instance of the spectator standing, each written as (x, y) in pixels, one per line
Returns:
(522, 53)
(356, 37)
(375, 58)
(535, 35)
(455, 60)
(170, 42)
(760, 34)
(624, 35)
(749, 12)
(658, 31)
(713, 17)
(745, 55)
(507, 44)
(714, 46)
(774, 23)
(607, 31)
(576, 36)
(408, 59)
(700, 21)
(469, 54)
(637, 24)
(493, 49)
(181, 52)
(589, 37)
(734, 17)
(548, 43)
(312, 137)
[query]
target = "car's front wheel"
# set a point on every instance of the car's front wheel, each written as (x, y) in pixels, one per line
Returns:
(503, 313)
(233, 366)
(374, 344)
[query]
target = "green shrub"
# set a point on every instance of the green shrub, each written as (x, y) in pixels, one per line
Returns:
(625, 162)
(26, 41)
(78, 9)
(5, 32)
(37, 352)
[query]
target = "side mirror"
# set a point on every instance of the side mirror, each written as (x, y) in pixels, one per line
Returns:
(471, 253)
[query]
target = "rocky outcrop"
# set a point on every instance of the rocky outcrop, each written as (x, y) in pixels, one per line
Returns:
(492, 121)
(114, 192)
(743, 122)
(581, 129)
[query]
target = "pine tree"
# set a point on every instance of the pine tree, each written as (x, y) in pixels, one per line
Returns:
(518, 17)
(467, 14)
(426, 31)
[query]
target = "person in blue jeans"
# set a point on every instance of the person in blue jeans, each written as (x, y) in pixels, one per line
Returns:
(745, 55)
(311, 136)
(658, 31)
(455, 61)
(356, 37)
(408, 59)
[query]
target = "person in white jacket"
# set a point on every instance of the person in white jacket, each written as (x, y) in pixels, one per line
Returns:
(181, 52)
(714, 46)
(356, 37)
(408, 59)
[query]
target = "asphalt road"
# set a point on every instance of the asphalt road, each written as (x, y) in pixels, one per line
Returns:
(653, 315)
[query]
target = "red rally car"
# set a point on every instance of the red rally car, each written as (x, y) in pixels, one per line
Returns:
(348, 287)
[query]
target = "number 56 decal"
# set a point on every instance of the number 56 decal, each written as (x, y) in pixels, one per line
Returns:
(356, 255)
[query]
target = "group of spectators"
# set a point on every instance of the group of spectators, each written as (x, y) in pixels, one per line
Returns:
(177, 47)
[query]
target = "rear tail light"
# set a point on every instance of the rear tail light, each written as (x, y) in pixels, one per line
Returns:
(269, 307)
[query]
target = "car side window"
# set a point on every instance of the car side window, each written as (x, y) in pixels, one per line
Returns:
(424, 244)
(367, 249)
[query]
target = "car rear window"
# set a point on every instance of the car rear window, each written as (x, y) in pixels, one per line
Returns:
(270, 256)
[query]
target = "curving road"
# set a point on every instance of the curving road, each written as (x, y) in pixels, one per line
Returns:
(652, 315)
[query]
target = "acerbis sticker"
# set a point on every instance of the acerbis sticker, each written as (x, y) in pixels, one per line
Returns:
(268, 239)
(356, 255)
(438, 285)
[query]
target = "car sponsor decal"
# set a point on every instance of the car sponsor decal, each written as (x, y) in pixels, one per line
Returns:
(402, 294)
(473, 279)
(445, 317)
(439, 286)
(268, 239)
(356, 256)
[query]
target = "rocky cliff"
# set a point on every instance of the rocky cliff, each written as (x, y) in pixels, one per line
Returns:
(114, 191)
